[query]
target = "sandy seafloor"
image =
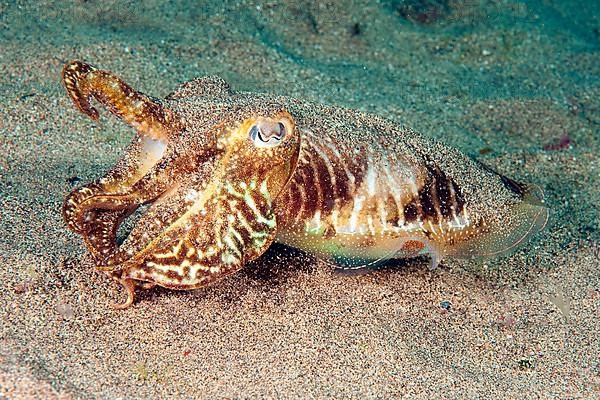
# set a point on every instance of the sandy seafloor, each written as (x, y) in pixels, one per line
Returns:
(514, 84)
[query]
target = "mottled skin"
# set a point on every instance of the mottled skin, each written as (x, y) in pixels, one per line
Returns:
(227, 173)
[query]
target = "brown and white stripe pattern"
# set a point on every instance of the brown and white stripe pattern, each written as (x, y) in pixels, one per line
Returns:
(336, 189)
(324, 181)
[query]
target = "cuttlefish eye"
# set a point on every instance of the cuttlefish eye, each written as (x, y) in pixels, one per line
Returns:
(267, 133)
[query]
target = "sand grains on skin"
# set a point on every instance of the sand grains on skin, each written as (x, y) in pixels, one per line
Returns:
(287, 327)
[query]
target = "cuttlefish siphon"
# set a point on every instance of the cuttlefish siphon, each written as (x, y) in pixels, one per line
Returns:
(225, 174)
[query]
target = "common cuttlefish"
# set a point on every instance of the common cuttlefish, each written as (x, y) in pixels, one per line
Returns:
(227, 173)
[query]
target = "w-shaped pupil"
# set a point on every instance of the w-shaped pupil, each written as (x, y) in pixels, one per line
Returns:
(268, 133)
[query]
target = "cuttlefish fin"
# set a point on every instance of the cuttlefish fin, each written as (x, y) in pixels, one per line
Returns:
(84, 81)
(404, 247)
(345, 264)
(501, 237)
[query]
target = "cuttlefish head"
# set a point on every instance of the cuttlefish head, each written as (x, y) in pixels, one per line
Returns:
(185, 150)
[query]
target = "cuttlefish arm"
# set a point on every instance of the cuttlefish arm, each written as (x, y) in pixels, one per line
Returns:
(97, 209)
(84, 81)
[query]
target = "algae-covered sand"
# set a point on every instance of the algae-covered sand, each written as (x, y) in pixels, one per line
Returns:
(514, 84)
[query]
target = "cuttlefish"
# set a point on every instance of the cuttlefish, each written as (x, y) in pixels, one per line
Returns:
(224, 174)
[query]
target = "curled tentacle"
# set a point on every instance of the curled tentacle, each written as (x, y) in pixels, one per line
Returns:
(73, 74)
(70, 209)
(84, 81)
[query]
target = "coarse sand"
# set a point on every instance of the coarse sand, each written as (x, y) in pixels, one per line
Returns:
(514, 84)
